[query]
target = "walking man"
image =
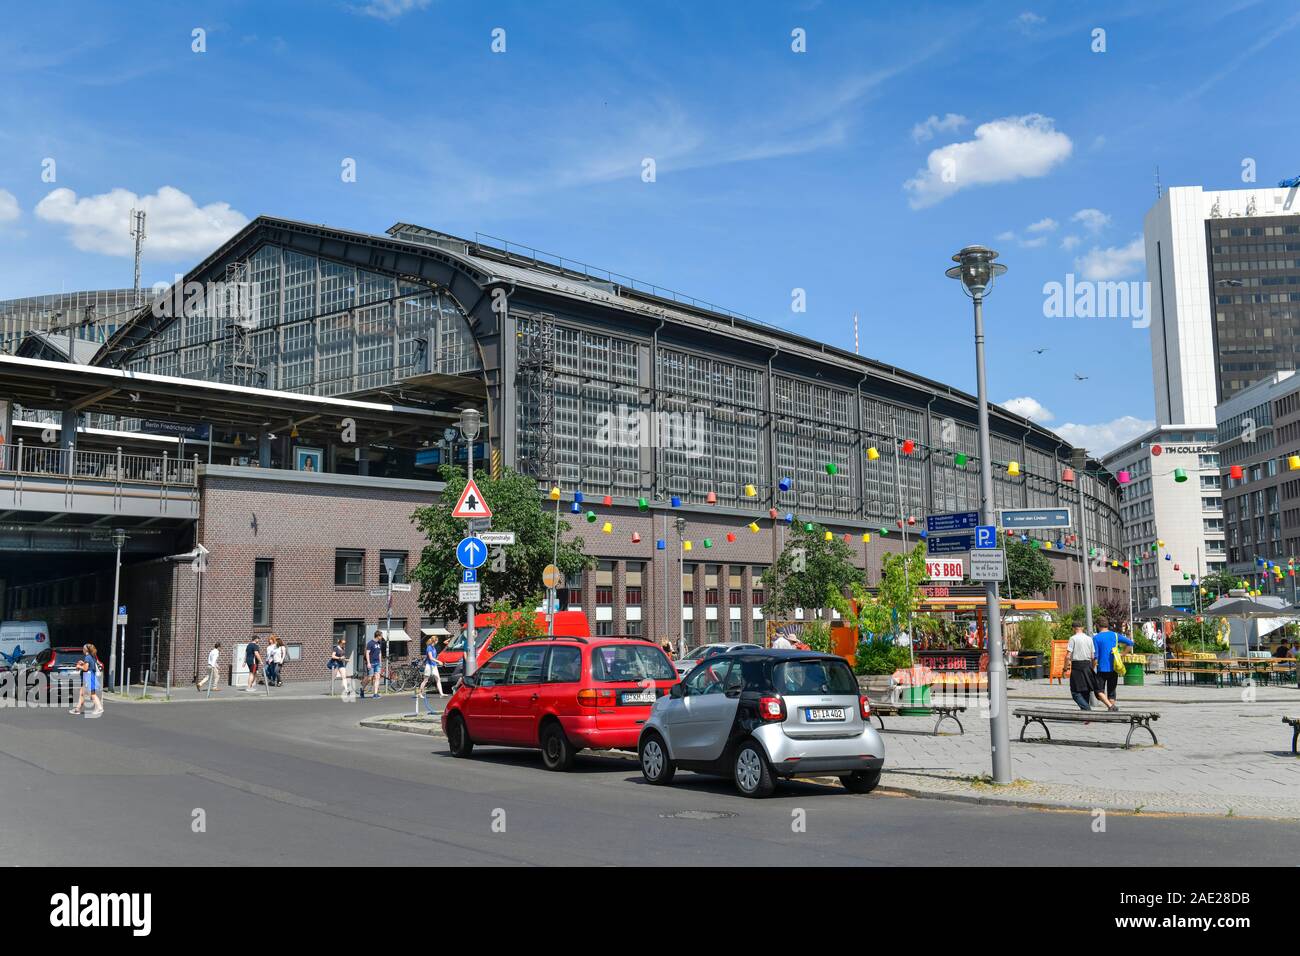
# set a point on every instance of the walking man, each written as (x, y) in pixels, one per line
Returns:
(431, 670)
(1105, 643)
(1083, 678)
(88, 664)
(252, 660)
(214, 659)
(374, 658)
(339, 665)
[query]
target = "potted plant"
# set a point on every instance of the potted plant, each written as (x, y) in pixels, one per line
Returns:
(876, 662)
(1035, 645)
(1155, 658)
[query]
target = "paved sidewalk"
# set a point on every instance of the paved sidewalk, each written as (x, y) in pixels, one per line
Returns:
(292, 690)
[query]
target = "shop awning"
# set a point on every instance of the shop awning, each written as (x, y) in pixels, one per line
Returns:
(396, 634)
(969, 603)
(435, 632)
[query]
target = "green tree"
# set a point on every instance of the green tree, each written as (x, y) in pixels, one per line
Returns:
(1218, 583)
(826, 565)
(1029, 570)
(516, 506)
(901, 577)
(516, 622)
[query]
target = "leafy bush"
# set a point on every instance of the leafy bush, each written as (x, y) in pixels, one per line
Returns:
(817, 635)
(515, 622)
(880, 657)
(1036, 636)
(1144, 645)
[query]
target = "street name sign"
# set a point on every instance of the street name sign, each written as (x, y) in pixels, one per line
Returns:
(1034, 518)
(956, 521)
(497, 537)
(988, 564)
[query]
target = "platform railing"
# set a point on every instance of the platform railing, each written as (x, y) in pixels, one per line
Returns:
(52, 461)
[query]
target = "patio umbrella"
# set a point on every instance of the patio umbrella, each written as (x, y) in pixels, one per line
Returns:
(1244, 610)
(1161, 611)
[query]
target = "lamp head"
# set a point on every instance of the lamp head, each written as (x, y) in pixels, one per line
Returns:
(976, 270)
(470, 422)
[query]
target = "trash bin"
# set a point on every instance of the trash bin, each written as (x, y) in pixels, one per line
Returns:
(1134, 674)
(915, 699)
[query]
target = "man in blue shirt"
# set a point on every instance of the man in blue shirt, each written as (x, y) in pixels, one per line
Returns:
(374, 654)
(1105, 642)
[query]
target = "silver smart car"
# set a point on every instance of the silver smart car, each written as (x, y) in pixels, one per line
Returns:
(757, 716)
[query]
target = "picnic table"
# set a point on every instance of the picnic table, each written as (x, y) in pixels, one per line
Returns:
(1229, 671)
(1042, 716)
(945, 712)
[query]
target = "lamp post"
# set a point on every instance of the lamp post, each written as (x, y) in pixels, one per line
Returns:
(119, 538)
(469, 424)
(680, 524)
(976, 270)
(1079, 458)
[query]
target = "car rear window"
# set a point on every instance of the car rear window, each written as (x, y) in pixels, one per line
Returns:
(823, 676)
(616, 662)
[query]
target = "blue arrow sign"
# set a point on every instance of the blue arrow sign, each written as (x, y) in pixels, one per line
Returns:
(986, 536)
(949, 543)
(471, 552)
(1034, 518)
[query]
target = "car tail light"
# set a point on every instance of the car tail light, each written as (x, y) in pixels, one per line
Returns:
(864, 706)
(587, 697)
(771, 708)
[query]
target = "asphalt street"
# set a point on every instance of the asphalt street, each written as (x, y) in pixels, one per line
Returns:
(299, 782)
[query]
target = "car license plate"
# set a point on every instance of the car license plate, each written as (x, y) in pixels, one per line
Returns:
(825, 713)
(637, 697)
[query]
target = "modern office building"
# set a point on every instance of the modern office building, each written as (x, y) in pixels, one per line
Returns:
(586, 379)
(1259, 445)
(1224, 272)
(1155, 508)
(87, 316)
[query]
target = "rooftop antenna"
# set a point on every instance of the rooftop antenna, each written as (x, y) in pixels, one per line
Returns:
(855, 334)
(1157, 182)
(137, 233)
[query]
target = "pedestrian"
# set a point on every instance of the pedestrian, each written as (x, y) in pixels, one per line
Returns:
(431, 670)
(667, 648)
(339, 665)
(214, 659)
(252, 660)
(374, 658)
(1106, 644)
(275, 656)
(89, 666)
(1083, 677)
(281, 655)
(1283, 651)
(781, 643)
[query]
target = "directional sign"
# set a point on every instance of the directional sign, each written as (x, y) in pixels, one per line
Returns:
(497, 537)
(957, 521)
(989, 564)
(470, 504)
(949, 544)
(944, 569)
(468, 576)
(471, 552)
(401, 587)
(379, 592)
(471, 593)
(986, 536)
(1035, 518)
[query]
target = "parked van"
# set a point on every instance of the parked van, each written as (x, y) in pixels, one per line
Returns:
(451, 659)
(22, 640)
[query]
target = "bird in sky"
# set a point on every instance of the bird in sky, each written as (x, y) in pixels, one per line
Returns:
(1080, 378)
(1040, 351)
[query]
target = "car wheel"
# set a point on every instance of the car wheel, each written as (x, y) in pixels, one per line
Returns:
(655, 765)
(458, 737)
(557, 752)
(861, 781)
(749, 768)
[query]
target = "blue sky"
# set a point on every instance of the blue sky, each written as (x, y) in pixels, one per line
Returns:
(775, 170)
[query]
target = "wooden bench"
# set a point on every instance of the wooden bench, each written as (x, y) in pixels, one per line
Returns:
(1134, 718)
(945, 712)
(1295, 730)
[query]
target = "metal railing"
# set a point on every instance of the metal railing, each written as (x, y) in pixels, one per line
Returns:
(49, 461)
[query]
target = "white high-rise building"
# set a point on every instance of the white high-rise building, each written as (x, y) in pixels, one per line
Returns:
(1224, 268)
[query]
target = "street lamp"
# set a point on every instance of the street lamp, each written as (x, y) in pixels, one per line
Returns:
(976, 270)
(680, 524)
(118, 538)
(469, 424)
(1079, 458)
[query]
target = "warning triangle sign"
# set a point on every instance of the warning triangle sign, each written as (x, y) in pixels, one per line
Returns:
(471, 503)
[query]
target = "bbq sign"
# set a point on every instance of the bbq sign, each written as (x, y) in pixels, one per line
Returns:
(945, 569)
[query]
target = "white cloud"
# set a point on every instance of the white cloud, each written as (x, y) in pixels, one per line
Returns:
(1094, 220)
(951, 122)
(1069, 243)
(1003, 150)
(1028, 20)
(1043, 225)
(1113, 262)
(1036, 243)
(390, 9)
(9, 210)
(175, 225)
(1106, 436)
(1027, 407)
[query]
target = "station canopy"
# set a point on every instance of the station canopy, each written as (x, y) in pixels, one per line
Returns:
(88, 389)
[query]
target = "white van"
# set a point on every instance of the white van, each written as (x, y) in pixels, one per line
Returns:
(22, 639)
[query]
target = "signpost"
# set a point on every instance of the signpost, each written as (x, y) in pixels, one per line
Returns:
(497, 537)
(1034, 518)
(988, 564)
(470, 504)
(553, 579)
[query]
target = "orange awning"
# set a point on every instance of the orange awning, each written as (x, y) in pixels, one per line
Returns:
(979, 604)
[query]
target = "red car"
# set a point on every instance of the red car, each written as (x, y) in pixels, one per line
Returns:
(560, 695)
(451, 659)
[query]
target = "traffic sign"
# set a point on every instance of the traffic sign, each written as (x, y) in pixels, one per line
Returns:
(956, 521)
(379, 592)
(1034, 518)
(470, 593)
(497, 537)
(470, 504)
(552, 577)
(944, 569)
(401, 587)
(471, 552)
(988, 564)
(949, 544)
(986, 536)
(468, 576)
